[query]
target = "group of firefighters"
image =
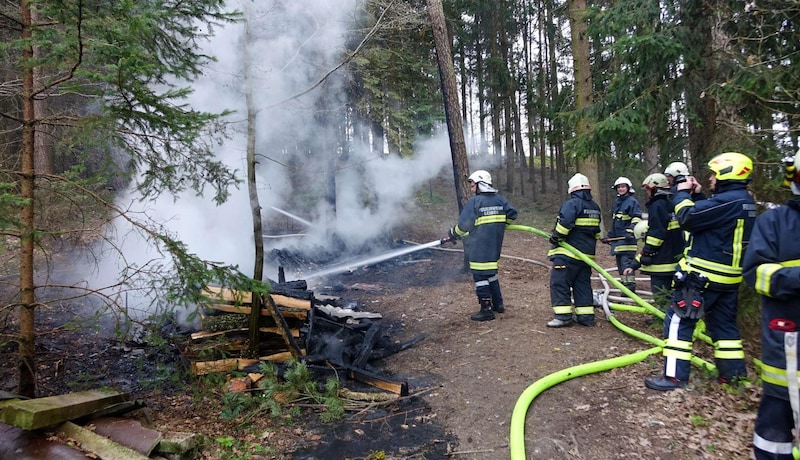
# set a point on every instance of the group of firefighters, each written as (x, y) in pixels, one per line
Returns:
(697, 250)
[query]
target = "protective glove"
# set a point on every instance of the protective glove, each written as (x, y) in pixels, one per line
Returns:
(688, 302)
(447, 239)
(605, 240)
(555, 238)
(453, 235)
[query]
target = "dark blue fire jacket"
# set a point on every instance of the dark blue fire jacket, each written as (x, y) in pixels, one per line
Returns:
(772, 267)
(664, 244)
(578, 224)
(719, 229)
(625, 214)
(484, 218)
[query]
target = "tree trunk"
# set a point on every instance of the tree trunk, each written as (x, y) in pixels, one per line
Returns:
(255, 207)
(700, 106)
(444, 57)
(583, 88)
(27, 178)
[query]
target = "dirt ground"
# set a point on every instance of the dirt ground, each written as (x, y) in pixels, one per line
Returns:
(466, 378)
(482, 369)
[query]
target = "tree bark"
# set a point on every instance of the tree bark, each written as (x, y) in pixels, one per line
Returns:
(27, 178)
(255, 206)
(583, 88)
(444, 57)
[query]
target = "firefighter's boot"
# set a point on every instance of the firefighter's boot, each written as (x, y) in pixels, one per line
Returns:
(486, 313)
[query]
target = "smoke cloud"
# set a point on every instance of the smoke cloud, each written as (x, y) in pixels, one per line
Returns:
(293, 46)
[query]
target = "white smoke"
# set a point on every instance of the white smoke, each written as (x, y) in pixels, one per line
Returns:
(294, 46)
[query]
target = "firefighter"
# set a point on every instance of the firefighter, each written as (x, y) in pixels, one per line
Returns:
(664, 242)
(772, 267)
(707, 280)
(625, 214)
(578, 224)
(484, 219)
(676, 172)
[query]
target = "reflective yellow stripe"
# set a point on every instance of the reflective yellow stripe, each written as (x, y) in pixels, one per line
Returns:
(653, 241)
(584, 310)
(715, 266)
(729, 354)
(684, 355)
(684, 204)
(483, 265)
(621, 216)
(561, 230)
(775, 375)
(587, 222)
(728, 344)
(680, 344)
(636, 220)
(659, 268)
(495, 219)
(764, 274)
(460, 232)
(562, 309)
(625, 247)
(673, 225)
(738, 237)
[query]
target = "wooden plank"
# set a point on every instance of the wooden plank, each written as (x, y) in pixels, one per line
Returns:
(396, 387)
(211, 367)
(245, 310)
(246, 298)
(32, 414)
(129, 433)
(206, 334)
(99, 445)
(230, 364)
(277, 315)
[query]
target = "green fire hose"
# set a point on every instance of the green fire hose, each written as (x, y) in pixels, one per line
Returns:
(517, 434)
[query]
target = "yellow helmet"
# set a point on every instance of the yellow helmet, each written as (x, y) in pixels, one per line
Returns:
(640, 229)
(731, 166)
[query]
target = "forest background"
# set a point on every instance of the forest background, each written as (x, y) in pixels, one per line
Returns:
(110, 111)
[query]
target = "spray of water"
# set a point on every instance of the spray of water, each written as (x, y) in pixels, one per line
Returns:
(290, 215)
(349, 267)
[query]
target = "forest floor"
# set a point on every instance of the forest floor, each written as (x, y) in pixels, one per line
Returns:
(465, 378)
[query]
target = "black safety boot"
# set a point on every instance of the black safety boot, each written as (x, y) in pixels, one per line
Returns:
(586, 320)
(486, 313)
(664, 383)
(498, 308)
(630, 286)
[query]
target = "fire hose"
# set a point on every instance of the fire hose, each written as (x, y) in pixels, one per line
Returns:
(517, 427)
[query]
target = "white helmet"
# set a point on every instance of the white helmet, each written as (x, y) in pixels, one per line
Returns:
(624, 181)
(655, 180)
(676, 168)
(481, 176)
(578, 182)
(640, 229)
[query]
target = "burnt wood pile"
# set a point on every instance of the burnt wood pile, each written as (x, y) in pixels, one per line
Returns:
(322, 331)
